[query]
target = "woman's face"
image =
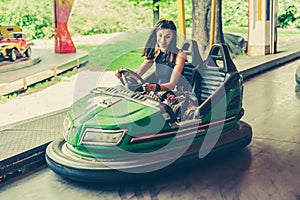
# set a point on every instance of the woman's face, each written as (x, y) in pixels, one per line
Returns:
(164, 38)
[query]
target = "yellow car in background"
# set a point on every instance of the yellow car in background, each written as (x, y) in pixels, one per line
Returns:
(13, 43)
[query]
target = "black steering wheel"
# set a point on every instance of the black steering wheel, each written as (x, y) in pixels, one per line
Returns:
(131, 80)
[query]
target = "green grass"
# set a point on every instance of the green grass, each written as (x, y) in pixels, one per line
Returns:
(125, 52)
(131, 60)
(87, 48)
(286, 32)
(241, 30)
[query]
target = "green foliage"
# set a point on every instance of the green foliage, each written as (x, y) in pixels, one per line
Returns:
(297, 23)
(168, 9)
(152, 3)
(107, 17)
(235, 13)
(145, 3)
(29, 17)
(96, 17)
(288, 17)
(104, 26)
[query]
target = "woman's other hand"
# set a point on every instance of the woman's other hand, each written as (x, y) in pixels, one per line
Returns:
(148, 87)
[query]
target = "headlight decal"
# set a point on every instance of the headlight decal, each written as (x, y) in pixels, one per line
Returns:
(94, 136)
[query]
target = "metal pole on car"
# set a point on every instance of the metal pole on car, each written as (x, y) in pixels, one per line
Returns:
(212, 23)
(181, 21)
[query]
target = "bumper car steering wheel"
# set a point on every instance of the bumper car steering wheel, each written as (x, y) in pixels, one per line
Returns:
(131, 80)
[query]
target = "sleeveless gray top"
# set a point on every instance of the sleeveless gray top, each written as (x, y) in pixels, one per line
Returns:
(163, 71)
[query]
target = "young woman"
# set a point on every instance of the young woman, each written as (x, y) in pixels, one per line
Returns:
(161, 49)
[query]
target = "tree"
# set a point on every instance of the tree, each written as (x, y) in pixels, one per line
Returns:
(201, 24)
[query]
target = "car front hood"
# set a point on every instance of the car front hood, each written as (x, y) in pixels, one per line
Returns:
(105, 111)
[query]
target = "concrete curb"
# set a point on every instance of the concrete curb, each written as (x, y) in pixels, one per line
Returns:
(23, 162)
(27, 160)
(22, 84)
(275, 62)
(15, 66)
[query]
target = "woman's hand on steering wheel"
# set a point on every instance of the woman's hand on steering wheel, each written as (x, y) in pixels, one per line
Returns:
(130, 79)
(148, 87)
(118, 74)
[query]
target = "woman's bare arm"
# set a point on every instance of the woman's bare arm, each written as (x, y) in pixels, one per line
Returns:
(144, 67)
(180, 61)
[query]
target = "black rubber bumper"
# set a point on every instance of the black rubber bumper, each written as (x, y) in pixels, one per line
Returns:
(298, 75)
(87, 170)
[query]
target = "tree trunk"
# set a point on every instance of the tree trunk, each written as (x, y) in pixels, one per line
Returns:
(201, 24)
(155, 12)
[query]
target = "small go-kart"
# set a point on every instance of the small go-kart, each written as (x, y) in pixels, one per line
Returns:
(297, 75)
(119, 132)
(13, 43)
(297, 78)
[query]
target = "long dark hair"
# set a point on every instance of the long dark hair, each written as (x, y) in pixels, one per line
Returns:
(149, 50)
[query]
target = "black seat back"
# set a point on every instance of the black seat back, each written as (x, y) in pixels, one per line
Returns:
(186, 81)
(190, 47)
(214, 71)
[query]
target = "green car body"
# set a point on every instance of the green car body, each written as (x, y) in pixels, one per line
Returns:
(112, 133)
(297, 75)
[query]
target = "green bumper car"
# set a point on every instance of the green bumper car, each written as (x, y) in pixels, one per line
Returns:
(297, 76)
(116, 133)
